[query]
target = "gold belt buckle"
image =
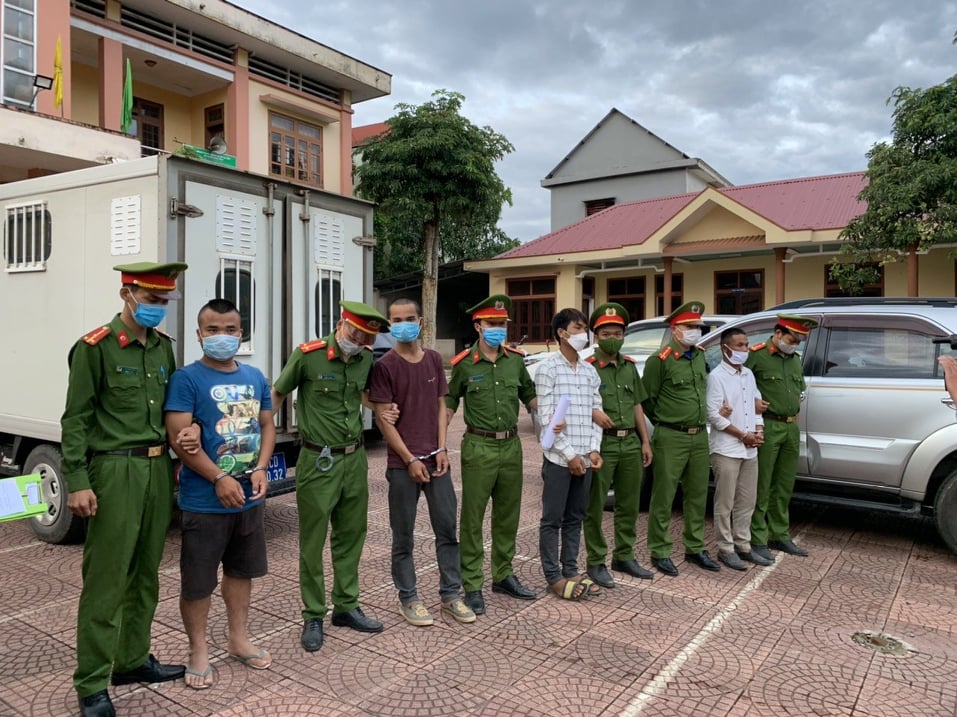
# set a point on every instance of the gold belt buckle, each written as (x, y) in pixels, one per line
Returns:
(693, 431)
(622, 433)
(155, 451)
(790, 419)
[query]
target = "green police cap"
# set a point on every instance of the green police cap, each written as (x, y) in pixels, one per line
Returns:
(796, 324)
(364, 317)
(610, 313)
(688, 313)
(153, 276)
(494, 307)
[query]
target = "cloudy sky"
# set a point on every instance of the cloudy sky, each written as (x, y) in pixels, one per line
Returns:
(760, 90)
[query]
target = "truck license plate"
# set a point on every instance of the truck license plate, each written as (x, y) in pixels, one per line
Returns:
(276, 470)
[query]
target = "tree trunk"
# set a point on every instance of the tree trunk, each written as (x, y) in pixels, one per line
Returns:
(430, 279)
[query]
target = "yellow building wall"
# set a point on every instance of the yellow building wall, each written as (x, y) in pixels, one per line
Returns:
(199, 103)
(718, 223)
(937, 277)
(85, 94)
(259, 133)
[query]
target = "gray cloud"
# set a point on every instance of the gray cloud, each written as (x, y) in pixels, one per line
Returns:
(759, 90)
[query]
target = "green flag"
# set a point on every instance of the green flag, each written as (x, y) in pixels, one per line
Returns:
(126, 118)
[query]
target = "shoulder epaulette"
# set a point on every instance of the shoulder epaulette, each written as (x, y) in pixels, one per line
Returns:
(664, 353)
(460, 356)
(591, 359)
(758, 347)
(164, 334)
(518, 351)
(312, 345)
(97, 335)
(629, 358)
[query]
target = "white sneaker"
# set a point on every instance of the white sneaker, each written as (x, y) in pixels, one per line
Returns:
(459, 610)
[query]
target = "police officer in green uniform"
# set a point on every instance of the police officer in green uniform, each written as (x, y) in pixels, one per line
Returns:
(779, 374)
(332, 488)
(492, 379)
(625, 449)
(117, 466)
(676, 382)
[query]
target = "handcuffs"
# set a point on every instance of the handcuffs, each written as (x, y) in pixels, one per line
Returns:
(424, 458)
(325, 460)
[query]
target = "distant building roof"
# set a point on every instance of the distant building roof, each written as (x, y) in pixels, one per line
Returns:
(812, 203)
(361, 135)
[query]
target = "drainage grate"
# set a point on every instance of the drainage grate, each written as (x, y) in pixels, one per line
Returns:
(882, 643)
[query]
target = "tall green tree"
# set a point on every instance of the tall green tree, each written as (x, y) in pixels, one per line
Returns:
(911, 193)
(433, 175)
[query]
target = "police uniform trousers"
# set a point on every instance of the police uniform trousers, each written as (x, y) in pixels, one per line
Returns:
(679, 457)
(491, 469)
(777, 469)
(621, 468)
(338, 498)
(121, 557)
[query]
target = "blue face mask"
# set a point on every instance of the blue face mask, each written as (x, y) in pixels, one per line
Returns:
(405, 332)
(220, 347)
(149, 315)
(494, 336)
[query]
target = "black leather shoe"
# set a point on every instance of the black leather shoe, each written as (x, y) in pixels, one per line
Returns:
(476, 601)
(763, 551)
(600, 574)
(753, 557)
(664, 565)
(512, 586)
(631, 567)
(150, 671)
(733, 561)
(311, 638)
(703, 560)
(357, 620)
(787, 546)
(97, 705)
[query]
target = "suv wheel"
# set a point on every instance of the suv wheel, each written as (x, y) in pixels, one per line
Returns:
(945, 511)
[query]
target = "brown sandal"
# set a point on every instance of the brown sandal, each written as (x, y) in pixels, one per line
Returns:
(569, 588)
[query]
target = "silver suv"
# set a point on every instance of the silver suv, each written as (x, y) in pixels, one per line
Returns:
(878, 429)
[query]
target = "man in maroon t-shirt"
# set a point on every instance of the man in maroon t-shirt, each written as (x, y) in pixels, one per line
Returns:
(414, 379)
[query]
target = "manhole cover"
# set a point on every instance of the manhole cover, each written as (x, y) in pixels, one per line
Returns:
(882, 643)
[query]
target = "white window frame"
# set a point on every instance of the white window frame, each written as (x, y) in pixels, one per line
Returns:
(29, 10)
(334, 276)
(240, 265)
(14, 216)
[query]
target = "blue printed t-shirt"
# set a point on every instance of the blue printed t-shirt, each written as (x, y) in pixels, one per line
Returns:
(226, 404)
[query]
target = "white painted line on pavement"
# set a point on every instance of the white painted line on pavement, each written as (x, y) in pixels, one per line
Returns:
(666, 675)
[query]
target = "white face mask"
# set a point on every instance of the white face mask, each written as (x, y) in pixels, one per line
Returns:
(347, 347)
(689, 337)
(786, 348)
(737, 357)
(578, 341)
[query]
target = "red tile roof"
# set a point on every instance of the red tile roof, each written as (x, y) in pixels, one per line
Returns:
(813, 203)
(714, 246)
(361, 135)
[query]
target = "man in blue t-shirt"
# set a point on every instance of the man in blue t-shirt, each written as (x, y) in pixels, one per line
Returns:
(221, 488)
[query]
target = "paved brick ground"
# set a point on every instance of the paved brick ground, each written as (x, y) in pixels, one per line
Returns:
(774, 641)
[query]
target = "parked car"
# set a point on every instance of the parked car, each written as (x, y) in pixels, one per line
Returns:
(877, 429)
(642, 339)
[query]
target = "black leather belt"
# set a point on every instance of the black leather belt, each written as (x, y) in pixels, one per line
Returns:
(779, 417)
(345, 450)
(497, 435)
(618, 432)
(691, 430)
(139, 452)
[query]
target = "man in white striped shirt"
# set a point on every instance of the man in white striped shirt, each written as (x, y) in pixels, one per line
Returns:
(736, 432)
(568, 464)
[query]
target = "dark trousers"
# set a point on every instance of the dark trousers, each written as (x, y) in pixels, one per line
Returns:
(564, 506)
(403, 503)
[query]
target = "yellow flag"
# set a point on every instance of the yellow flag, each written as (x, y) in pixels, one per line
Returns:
(58, 73)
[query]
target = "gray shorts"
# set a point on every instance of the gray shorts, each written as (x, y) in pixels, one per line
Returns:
(237, 540)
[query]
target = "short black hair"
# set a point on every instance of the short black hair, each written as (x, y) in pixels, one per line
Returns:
(783, 329)
(218, 306)
(401, 301)
(563, 318)
(727, 334)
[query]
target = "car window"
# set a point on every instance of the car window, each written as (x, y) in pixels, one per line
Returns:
(644, 341)
(876, 352)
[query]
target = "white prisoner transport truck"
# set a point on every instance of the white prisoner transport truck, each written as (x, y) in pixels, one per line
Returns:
(285, 255)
